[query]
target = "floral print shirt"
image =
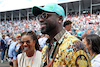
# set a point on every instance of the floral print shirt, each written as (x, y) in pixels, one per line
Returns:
(67, 50)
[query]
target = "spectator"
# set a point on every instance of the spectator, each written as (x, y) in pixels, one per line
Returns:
(67, 25)
(62, 49)
(18, 50)
(92, 43)
(42, 40)
(3, 48)
(12, 52)
(31, 57)
(7, 39)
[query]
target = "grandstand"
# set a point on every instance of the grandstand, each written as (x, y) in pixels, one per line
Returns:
(84, 14)
(71, 7)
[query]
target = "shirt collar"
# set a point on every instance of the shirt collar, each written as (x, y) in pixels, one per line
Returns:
(60, 35)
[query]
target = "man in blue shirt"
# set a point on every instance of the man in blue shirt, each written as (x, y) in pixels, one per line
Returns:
(12, 52)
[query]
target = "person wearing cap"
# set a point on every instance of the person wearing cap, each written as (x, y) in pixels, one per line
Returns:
(13, 49)
(11, 52)
(61, 49)
(67, 25)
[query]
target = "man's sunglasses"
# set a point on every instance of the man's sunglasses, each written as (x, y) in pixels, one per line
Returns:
(44, 15)
(22, 42)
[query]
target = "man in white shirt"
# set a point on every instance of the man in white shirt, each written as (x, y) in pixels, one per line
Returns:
(42, 40)
(67, 25)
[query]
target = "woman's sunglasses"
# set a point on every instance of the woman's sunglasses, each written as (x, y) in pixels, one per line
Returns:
(44, 15)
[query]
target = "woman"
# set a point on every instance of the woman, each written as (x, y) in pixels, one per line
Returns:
(92, 43)
(30, 57)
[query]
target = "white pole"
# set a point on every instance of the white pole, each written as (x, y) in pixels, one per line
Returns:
(12, 16)
(66, 9)
(0, 17)
(19, 15)
(91, 8)
(5, 17)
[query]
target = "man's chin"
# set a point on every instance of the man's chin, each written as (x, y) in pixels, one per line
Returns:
(43, 32)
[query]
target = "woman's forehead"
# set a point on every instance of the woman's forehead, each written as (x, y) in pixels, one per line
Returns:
(26, 37)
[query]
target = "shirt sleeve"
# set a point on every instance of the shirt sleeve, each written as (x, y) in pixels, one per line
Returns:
(10, 51)
(17, 47)
(75, 55)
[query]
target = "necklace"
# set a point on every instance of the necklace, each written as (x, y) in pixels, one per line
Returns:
(32, 59)
(93, 55)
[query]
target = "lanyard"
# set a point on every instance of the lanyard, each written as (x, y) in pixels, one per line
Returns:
(32, 60)
(93, 55)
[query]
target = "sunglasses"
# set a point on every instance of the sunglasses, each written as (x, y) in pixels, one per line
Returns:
(44, 15)
(22, 42)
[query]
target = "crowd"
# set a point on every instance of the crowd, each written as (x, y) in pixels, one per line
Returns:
(80, 24)
(17, 27)
(85, 23)
(24, 41)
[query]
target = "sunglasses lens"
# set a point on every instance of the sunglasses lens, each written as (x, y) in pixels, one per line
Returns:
(27, 41)
(44, 15)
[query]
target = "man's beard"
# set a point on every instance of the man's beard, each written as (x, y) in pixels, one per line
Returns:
(47, 30)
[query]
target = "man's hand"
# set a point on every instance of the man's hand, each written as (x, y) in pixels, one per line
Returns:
(17, 43)
(50, 63)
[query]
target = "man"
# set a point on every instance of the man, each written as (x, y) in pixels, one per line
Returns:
(62, 49)
(7, 39)
(13, 49)
(3, 47)
(42, 40)
(67, 25)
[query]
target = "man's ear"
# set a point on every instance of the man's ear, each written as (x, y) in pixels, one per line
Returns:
(60, 18)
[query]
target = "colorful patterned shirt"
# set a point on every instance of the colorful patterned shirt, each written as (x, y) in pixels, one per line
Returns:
(67, 50)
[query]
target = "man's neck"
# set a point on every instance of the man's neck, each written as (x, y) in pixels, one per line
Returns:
(54, 32)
